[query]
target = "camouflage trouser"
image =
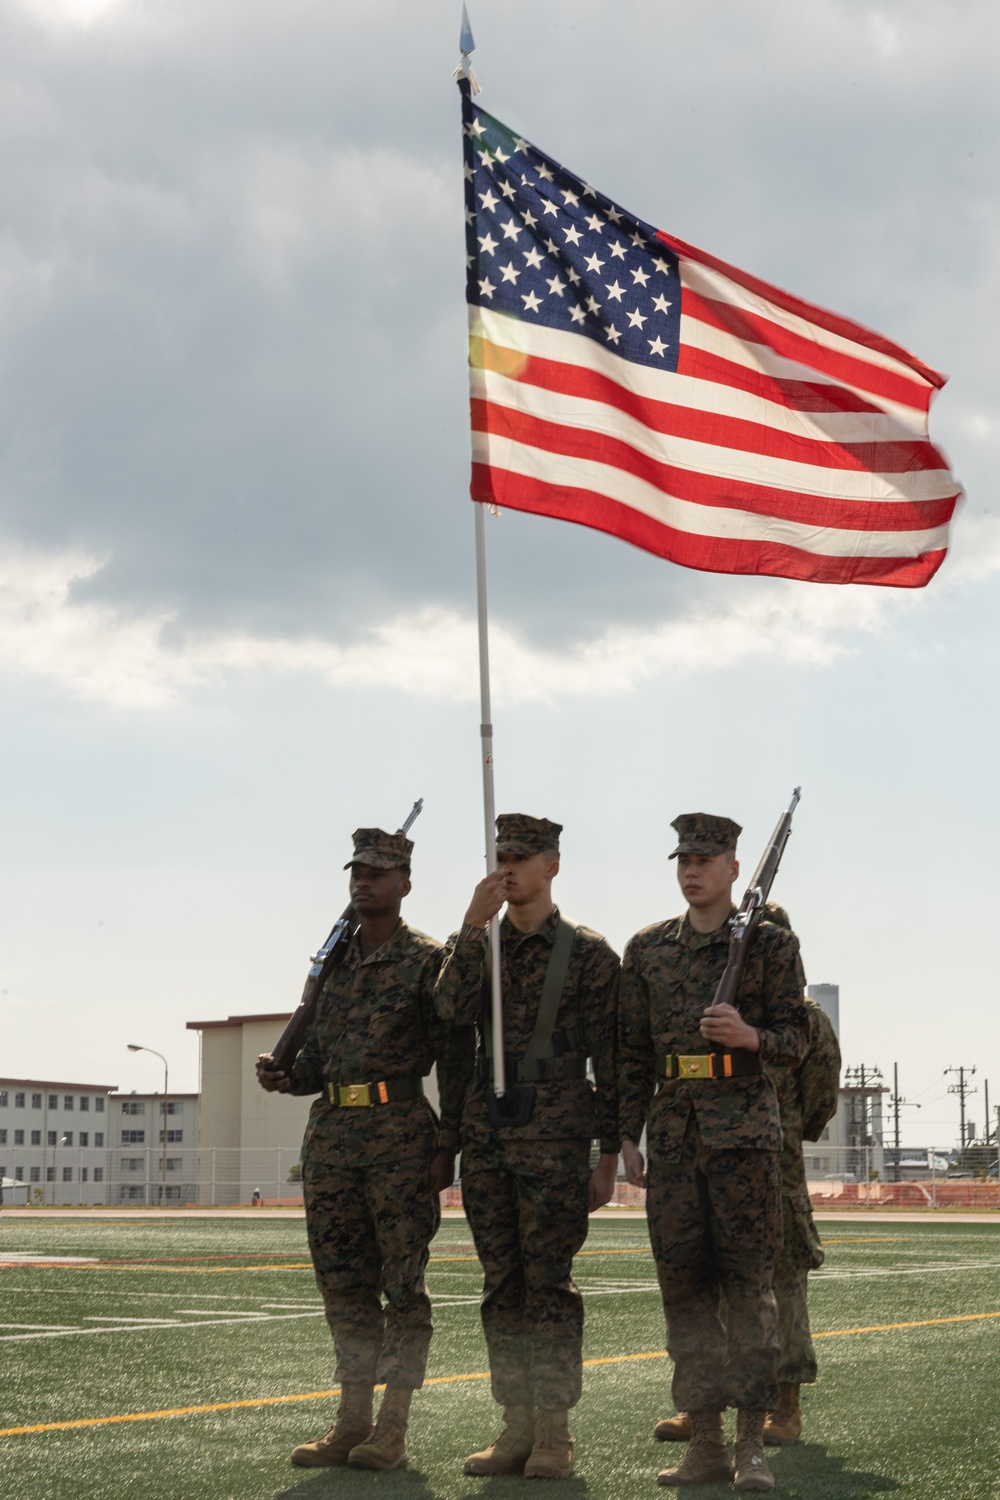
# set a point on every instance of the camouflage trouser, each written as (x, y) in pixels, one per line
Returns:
(715, 1228)
(797, 1363)
(526, 1204)
(369, 1230)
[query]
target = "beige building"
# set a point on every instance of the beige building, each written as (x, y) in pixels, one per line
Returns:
(249, 1139)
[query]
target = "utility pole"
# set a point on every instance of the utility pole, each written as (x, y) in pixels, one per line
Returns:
(961, 1088)
(897, 1103)
(986, 1091)
(865, 1081)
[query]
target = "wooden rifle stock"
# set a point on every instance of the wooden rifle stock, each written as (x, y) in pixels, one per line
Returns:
(324, 960)
(744, 921)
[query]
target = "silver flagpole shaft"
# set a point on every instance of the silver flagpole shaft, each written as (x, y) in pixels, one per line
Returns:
(489, 808)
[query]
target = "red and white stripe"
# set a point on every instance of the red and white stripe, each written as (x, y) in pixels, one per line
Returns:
(788, 442)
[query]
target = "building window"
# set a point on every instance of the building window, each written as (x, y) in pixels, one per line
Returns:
(50, 1174)
(98, 1174)
(174, 1107)
(67, 1101)
(84, 1138)
(3, 1098)
(18, 1137)
(133, 1107)
(174, 1163)
(173, 1192)
(133, 1137)
(18, 1101)
(18, 1174)
(35, 1174)
(53, 1136)
(98, 1137)
(131, 1192)
(133, 1163)
(84, 1103)
(36, 1101)
(99, 1105)
(67, 1174)
(67, 1139)
(174, 1137)
(36, 1137)
(3, 1141)
(83, 1174)
(53, 1101)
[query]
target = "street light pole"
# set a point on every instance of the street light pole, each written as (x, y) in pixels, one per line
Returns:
(134, 1047)
(60, 1142)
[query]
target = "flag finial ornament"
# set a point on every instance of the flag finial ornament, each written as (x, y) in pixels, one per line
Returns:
(466, 45)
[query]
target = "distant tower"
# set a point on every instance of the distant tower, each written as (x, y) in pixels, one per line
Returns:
(827, 996)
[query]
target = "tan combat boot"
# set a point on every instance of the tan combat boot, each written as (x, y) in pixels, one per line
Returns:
(784, 1424)
(552, 1455)
(706, 1458)
(674, 1429)
(752, 1472)
(508, 1453)
(353, 1426)
(386, 1448)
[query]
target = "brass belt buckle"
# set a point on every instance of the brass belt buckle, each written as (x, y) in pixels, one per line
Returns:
(695, 1067)
(354, 1095)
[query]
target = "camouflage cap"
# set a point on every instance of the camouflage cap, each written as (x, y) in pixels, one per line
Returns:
(384, 851)
(519, 834)
(704, 833)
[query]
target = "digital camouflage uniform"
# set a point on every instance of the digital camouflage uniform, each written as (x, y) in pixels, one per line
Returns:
(369, 1213)
(807, 1100)
(525, 1187)
(713, 1187)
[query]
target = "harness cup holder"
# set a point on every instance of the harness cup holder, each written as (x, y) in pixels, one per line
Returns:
(514, 1107)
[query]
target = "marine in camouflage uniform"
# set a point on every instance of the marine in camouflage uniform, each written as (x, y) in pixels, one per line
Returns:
(807, 1101)
(527, 1187)
(713, 1185)
(374, 1156)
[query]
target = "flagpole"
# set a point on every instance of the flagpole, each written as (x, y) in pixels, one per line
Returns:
(489, 805)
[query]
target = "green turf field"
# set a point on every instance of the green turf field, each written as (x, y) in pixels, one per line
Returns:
(168, 1314)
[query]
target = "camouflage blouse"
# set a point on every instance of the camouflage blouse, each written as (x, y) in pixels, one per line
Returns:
(375, 1020)
(568, 1108)
(669, 976)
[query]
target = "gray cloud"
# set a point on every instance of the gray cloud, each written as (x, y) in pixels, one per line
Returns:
(231, 272)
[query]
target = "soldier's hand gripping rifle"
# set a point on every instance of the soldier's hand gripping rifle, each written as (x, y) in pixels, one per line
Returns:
(743, 922)
(323, 960)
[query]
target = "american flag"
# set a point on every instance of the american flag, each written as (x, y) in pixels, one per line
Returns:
(625, 380)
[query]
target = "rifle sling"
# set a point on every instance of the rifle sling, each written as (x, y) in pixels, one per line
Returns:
(540, 1044)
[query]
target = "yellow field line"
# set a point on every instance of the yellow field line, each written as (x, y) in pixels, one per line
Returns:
(839, 1333)
(610, 1359)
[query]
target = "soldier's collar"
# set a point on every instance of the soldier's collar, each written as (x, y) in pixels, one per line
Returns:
(547, 931)
(390, 949)
(687, 935)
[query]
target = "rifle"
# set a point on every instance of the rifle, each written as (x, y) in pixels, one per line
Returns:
(743, 922)
(324, 960)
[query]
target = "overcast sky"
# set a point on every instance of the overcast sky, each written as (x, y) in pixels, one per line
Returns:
(236, 545)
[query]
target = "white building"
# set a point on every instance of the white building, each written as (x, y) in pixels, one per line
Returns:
(84, 1143)
(55, 1138)
(152, 1155)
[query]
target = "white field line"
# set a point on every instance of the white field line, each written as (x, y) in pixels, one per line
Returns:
(240, 1321)
(942, 1267)
(590, 1287)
